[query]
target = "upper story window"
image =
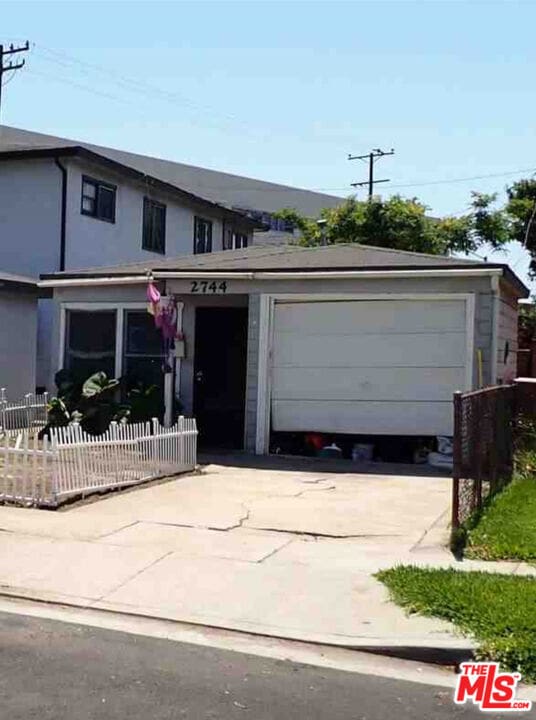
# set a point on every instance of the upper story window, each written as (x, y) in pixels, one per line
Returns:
(240, 240)
(202, 236)
(98, 199)
(233, 240)
(154, 226)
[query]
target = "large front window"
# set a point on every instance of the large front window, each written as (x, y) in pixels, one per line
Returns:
(122, 342)
(90, 342)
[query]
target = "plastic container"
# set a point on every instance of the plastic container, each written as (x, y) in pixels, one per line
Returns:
(330, 451)
(362, 452)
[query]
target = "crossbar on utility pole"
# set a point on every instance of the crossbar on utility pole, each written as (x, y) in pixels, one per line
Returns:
(372, 156)
(11, 66)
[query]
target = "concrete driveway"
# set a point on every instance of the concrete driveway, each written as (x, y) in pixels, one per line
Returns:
(283, 549)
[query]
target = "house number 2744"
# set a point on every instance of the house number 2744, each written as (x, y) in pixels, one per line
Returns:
(204, 286)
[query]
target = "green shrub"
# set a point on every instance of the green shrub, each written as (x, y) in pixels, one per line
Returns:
(99, 400)
(513, 653)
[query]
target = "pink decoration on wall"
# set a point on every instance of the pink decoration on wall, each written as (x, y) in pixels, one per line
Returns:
(164, 311)
(153, 296)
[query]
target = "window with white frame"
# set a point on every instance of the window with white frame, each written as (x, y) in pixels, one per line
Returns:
(120, 340)
(142, 350)
(202, 236)
(233, 240)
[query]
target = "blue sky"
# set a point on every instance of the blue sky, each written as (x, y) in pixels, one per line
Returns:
(285, 90)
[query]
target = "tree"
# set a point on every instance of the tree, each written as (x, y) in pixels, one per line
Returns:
(520, 210)
(403, 224)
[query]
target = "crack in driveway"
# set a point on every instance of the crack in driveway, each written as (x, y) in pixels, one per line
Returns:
(309, 533)
(274, 551)
(131, 577)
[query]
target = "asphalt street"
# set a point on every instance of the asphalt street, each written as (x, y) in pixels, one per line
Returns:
(59, 671)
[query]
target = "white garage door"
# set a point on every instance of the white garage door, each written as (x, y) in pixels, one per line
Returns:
(375, 366)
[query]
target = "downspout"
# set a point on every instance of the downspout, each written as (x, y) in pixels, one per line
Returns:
(495, 299)
(63, 171)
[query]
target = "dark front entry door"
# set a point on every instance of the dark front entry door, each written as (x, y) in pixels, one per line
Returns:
(220, 375)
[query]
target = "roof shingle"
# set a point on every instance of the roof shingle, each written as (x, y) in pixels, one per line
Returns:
(233, 191)
(284, 258)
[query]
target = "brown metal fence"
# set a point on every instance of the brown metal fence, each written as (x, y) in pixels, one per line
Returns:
(483, 447)
(488, 424)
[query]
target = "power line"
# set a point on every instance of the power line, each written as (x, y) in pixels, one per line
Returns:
(333, 189)
(11, 65)
(372, 157)
(10, 79)
(444, 181)
(81, 86)
(136, 85)
(141, 108)
(130, 84)
(465, 179)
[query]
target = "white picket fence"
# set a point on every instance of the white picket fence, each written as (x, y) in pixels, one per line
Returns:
(26, 414)
(46, 472)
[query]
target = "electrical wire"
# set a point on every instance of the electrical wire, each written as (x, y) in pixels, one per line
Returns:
(131, 84)
(79, 86)
(9, 79)
(465, 179)
(68, 61)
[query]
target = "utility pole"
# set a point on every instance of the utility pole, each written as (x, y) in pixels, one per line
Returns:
(11, 50)
(372, 156)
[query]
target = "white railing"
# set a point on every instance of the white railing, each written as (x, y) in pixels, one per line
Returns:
(34, 472)
(30, 413)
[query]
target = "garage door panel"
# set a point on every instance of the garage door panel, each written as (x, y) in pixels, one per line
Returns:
(377, 316)
(368, 367)
(375, 418)
(419, 384)
(419, 350)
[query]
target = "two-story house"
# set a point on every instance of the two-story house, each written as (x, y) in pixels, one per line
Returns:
(255, 198)
(66, 205)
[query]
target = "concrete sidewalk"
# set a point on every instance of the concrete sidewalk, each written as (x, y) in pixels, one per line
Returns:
(277, 552)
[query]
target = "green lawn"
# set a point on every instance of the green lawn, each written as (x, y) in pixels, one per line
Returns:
(499, 611)
(507, 529)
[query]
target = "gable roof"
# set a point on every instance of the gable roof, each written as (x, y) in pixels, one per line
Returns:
(292, 258)
(232, 191)
(14, 153)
